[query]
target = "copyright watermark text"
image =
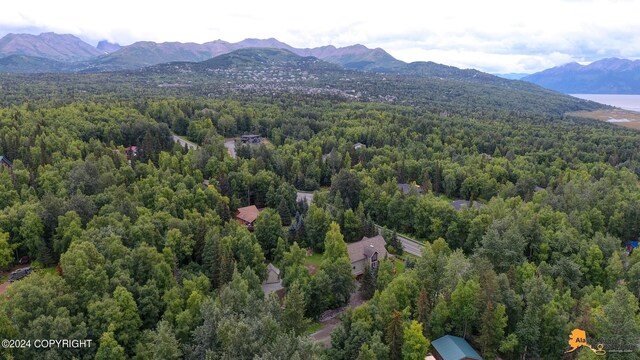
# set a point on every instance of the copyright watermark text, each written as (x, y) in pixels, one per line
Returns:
(45, 343)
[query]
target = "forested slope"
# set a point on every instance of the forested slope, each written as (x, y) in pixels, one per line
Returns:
(146, 261)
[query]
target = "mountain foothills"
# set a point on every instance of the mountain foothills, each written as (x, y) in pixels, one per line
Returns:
(139, 244)
(80, 56)
(607, 76)
(269, 67)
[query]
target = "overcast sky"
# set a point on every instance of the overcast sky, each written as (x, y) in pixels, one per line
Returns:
(498, 36)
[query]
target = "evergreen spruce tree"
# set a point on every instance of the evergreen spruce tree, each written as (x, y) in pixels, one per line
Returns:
(368, 283)
(394, 336)
(293, 314)
(285, 214)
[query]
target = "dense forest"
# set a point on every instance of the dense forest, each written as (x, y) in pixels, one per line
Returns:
(143, 256)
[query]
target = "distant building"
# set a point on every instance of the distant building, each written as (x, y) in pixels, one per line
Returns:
(132, 152)
(4, 162)
(205, 183)
(631, 246)
(406, 188)
(359, 145)
(206, 111)
(251, 139)
(451, 347)
(537, 188)
(273, 274)
(247, 215)
(486, 156)
(465, 204)
(367, 250)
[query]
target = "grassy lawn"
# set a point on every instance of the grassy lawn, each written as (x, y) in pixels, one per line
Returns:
(48, 270)
(313, 327)
(399, 265)
(314, 260)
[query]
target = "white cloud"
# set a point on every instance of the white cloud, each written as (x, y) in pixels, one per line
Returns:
(491, 35)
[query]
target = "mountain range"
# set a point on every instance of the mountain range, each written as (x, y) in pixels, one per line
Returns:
(607, 76)
(50, 52)
(67, 48)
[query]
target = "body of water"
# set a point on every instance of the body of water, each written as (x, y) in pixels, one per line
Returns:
(627, 102)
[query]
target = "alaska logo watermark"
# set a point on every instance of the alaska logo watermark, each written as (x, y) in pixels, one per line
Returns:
(579, 339)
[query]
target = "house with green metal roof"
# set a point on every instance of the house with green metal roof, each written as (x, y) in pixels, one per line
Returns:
(451, 347)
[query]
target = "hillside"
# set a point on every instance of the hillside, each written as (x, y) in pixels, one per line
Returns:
(270, 72)
(356, 57)
(111, 57)
(140, 54)
(607, 76)
(30, 64)
(255, 58)
(47, 45)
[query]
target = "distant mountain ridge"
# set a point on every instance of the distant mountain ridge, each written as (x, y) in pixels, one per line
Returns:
(67, 48)
(606, 76)
(512, 76)
(146, 53)
(112, 57)
(249, 58)
(107, 47)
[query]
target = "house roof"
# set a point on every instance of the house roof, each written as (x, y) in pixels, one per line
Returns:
(459, 204)
(272, 267)
(406, 188)
(248, 213)
(364, 248)
(5, 160)
(359, 145)
(454, 348)
(537, 188)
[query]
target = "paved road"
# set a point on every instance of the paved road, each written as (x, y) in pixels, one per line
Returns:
(409, 246)
(230, 144)
(184, 142)
(304, 195)
(323, 336)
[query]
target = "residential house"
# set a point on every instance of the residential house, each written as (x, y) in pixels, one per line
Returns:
(451, 347)
(406, 188)
(273, 274)
(6, 163)
(132, 152)
(465, 204)
(367, 250)
(359, 145)
(250, 139)
(537, 188)
(247, 215)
